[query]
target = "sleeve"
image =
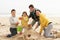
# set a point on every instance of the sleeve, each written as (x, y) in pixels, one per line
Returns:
(42, 24)
(41, 29)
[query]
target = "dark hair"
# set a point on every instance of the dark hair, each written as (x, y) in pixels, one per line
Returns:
(25, 13)
(31, 6)
(39, 11)
(13, 10)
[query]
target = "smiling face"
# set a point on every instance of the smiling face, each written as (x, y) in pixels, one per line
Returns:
(13, 13)
(37, 13)
(24, 14)
(31, 9)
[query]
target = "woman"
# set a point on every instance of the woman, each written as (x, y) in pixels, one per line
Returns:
(45, 24)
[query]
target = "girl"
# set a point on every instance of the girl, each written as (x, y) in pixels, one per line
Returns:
(24, 22)
(24, 19)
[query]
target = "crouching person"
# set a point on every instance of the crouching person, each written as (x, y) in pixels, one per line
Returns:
(14, 23)
(45, 24)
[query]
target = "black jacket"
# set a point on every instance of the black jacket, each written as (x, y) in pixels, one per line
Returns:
(33, 15)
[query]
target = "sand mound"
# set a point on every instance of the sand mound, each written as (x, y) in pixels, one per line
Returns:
(28, 35)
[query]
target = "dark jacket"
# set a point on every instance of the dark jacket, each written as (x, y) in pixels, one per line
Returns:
(33, 15)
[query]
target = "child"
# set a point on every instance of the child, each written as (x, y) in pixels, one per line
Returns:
(24, 20)
(14, 23)
(45, 24)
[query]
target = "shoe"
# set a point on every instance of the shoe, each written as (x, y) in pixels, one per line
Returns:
(9, 36)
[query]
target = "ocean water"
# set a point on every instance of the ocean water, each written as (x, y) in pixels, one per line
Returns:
(19, 14)
(8, 15)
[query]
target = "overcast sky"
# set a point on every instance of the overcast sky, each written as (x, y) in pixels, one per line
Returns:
(49, 7)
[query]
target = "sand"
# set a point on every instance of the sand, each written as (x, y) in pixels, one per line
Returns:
(5, 25)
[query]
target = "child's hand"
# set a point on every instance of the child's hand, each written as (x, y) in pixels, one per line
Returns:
(17, 23)
(20, 18)
(29, 26)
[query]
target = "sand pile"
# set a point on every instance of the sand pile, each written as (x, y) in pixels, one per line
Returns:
(28, 35)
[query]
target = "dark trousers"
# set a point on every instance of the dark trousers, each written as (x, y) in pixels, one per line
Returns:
(13, 32)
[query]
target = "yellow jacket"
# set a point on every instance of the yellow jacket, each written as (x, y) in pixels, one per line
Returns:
(24, 21)
(43, 22)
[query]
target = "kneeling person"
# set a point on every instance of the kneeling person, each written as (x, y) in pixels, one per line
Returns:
(45, 24)
(14, 23)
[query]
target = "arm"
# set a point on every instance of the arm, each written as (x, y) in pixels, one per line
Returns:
(43, 22)
(41, 29)
(20, 18)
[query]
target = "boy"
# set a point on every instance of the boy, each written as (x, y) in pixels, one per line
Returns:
(45, 24)
(14, 23)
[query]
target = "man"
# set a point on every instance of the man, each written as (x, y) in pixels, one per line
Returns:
(33, 15)
(14, 23)
(45, 24)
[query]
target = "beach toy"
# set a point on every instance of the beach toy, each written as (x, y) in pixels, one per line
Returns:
(19, 28)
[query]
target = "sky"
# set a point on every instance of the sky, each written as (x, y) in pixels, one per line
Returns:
(48, 7)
